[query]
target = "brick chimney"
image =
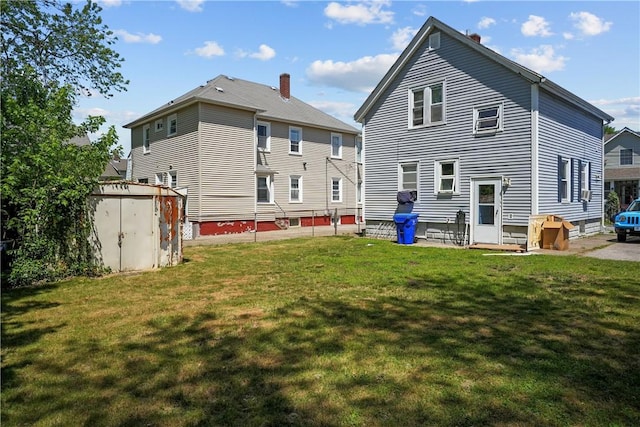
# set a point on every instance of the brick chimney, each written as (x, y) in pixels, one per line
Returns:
(475, 37)
(285, 85)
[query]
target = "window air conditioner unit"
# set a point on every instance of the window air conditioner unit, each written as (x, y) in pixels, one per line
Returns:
(585, 195)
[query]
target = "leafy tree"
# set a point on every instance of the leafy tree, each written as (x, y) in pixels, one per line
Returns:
(609, 130)
(51, 53)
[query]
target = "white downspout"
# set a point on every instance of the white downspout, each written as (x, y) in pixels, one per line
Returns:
(535, 178)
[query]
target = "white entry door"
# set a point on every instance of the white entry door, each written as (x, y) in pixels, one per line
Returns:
(487, 211)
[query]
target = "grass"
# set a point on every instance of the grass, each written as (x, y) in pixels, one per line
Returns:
(333, 331)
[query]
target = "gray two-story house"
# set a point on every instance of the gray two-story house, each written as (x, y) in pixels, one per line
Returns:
(250, 156)
(485, 143)
(622, 165)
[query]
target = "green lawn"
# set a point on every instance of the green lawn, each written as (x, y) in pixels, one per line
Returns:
(333, 331)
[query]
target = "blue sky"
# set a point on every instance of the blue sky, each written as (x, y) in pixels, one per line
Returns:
(336, 52)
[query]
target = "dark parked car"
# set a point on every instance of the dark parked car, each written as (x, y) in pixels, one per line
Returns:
(627, 223)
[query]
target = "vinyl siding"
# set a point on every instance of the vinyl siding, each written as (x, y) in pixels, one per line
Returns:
(570, 133)
(471, 80)
(177, 153)
(227, 162)
(316, 177)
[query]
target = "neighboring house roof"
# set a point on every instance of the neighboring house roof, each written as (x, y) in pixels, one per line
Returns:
(620, 132)
(265, 100)
(80, 141)
(432, 24)
(116, 168)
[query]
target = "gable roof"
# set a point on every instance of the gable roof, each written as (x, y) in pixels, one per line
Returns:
(264, 100)
(431, 25)
(620, 132)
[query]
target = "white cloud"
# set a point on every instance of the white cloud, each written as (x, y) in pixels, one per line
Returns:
(536, 26)
(401, 37)
(589, 24)
(127, 37)
(110, 3)
(486, 22)
(419, 10)
(264, 53)
(367, 12)
(568, 36)
(341, 110)
(542, 59)
(290, 3)
(191, 5)
(209, 50)
(361, 75)
(626, 111)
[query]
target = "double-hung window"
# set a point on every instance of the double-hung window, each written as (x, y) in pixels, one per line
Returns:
(408, 177)
(487, 119)
(172, 127)
(264, 136)
(447, 176)
(427, 105)
(159, 125)
(146, 137)
(626, 156)
(359, 150)
(295, 140)
(336, 145)
(295, 189)
(264, 187)
(336, 189)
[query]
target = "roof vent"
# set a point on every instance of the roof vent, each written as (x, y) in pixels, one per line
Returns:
(274, 88)
(219, 89)
(230, 78)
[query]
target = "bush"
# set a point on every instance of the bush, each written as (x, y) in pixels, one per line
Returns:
(612, 206)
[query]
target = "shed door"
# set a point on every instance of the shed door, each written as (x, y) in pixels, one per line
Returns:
(137, 240)
(487, 214)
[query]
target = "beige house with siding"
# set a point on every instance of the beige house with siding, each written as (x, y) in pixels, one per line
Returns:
(250, 155)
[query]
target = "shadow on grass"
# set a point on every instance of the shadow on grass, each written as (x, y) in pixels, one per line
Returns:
(459, 354)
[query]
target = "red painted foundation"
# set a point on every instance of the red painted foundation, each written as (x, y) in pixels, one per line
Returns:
(215, 228)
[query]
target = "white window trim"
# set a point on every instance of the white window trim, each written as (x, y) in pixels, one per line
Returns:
(400, 176)
(159, 125)
(500, 124)
(169, 120)
(170, 175)
(299, 152)
(434, 41)
(267, 148)
(359, 147)
(334, 179)
(299, 200)
(269, 188)
(437, 168)
(426, 107)
(566, 198)
(146, 143)
(584, 175)
(339, 156)
(160, 176)
(620, 157)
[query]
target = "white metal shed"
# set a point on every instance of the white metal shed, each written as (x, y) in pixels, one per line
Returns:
(136, 226)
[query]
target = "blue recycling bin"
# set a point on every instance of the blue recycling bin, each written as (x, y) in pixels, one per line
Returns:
(406, 227)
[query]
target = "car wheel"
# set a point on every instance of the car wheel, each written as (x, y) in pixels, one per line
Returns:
(622, 237)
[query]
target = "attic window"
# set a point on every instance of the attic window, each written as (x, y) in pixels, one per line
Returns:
(219, 89)
(434, 41)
